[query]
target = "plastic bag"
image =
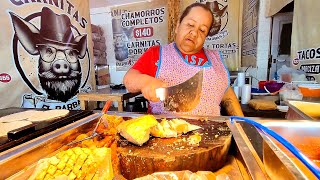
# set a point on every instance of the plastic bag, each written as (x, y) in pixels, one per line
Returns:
(185, 175)
(290, 92)
(287, 74)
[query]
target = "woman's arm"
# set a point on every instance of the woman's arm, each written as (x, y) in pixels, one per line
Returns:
(138, 82)
(231, 103)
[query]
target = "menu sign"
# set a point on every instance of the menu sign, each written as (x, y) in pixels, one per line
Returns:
(135, 28)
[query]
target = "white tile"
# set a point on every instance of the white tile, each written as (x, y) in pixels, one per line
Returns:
(262, 54)
(262, 73)
(263, 63)
(253, 73)
(263, 45)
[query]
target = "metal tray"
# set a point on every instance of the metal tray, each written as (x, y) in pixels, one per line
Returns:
(304, 135)
(279, 162)
(303, 110)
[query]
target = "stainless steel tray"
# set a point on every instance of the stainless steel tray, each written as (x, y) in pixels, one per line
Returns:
(303, 110)
(278, 161)
(304, 135)
(21, 157)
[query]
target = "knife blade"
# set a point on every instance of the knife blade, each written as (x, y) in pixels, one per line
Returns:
(182, 97)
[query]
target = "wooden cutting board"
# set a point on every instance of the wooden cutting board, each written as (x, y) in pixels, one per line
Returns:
(175, 154)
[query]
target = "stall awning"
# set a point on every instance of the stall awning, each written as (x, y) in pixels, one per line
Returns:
(274, 6)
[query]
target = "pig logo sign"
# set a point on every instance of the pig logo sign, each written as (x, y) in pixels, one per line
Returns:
(120, 39)
(58, 51)
(218, 11)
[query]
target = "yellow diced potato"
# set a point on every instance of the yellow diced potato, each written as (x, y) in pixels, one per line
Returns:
(73, 164)
(60, 154)
(41, 175)
(87, 151)
(80, 161)
(69, 164)
(76, 167)
(75, 171)
(73, 157)
(67, 170)
(83, 157)
(51, 170)
(61, 165)
(72, 176)
(81, 175)
(61, 177)
(89, 176)
(48, 177)
(69, 152)
(54, 160)
(58, 173)
(77, 150)
(89, 160)
(65, 158)
(95, 177)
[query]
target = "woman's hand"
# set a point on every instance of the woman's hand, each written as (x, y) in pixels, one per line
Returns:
(149, 91)
(147, 85)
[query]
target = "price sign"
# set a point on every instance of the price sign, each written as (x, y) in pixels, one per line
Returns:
(143, 32)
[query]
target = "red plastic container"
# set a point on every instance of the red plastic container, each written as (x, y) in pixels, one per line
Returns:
(262, 84)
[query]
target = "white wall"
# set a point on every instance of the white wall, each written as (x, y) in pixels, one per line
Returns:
(102, 17)
(105, 3)
(263, 49)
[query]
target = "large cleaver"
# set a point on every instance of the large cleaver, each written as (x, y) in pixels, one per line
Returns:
(182, 97)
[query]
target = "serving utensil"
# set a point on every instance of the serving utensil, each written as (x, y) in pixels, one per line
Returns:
(94, 133)
(182, 97)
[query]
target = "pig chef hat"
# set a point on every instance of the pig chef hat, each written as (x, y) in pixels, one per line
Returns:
(55, 29)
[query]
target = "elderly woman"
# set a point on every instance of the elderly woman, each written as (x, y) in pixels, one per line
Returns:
(171, 64)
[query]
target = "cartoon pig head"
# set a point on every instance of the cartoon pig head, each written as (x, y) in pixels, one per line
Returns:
(217, 14)
(59, 69)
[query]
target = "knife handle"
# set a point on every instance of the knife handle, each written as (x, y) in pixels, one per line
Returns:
(106, 106)
(21, 132)
(161, 93)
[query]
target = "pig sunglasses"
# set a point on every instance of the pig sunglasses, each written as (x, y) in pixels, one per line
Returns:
(48, 53)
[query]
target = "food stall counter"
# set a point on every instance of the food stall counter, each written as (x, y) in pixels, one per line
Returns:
(21, 161)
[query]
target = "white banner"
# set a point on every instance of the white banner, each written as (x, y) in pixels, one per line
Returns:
(45, 52)
(305, 46)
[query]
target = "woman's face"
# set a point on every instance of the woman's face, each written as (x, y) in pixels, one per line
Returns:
(192, 31)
